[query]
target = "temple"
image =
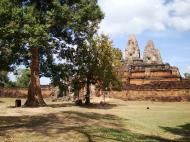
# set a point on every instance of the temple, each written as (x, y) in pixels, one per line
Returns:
(148, 70)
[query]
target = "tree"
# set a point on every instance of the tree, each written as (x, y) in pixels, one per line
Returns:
(94, 63)
(116, 82)
(23, 78)
(35, 32)
(4, 80)
(76, 86)
(111, 61)
(117, 55)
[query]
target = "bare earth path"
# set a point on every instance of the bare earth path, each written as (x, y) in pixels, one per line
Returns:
(117, 121)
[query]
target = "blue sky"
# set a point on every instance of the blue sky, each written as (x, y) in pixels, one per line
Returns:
(166, 22)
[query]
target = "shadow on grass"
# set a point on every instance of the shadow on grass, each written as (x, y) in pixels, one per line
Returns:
(181, 130)
(99, 106)
(58, 105)
(124, 135)
(92, 126)
(2, 102)
(96, 116)
(91, 106)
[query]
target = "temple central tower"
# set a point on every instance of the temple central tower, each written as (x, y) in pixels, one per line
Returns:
(151, 54)
(132, 52)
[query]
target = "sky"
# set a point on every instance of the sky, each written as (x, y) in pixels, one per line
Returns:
(166, 22)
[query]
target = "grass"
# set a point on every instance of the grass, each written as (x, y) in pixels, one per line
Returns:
(119, 121)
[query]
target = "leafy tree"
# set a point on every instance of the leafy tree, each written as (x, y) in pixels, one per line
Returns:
(187, 75)
(76, 86)
(4, 80)
(36, 32)
(111, 61)
(117, 56)
(23, 78)
(116, 82)
(94, 63)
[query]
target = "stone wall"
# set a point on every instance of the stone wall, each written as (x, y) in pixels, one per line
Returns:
(153, 95)
(137, 74)
(167, 85)
(141, 81)
(160, 73)
(22, 92)
(149, 73)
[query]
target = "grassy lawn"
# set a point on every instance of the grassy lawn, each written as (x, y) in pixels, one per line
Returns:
(117, 121)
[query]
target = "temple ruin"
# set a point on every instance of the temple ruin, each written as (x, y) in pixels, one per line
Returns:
(148, 71)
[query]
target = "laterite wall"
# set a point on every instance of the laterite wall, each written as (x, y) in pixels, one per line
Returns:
(154, 95)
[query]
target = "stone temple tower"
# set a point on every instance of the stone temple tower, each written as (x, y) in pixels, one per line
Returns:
(132, 51)
(149, 72)
(151, 54)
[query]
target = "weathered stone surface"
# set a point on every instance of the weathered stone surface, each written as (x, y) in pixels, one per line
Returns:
(153, 94)
(132, 51)
(151, 54)
(150, 78)
(22, 92)
(151, 69)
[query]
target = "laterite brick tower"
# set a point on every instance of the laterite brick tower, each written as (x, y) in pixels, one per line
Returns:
(147, 70)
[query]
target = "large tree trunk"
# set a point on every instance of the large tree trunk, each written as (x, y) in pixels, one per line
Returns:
(87, 97)
(34, 97)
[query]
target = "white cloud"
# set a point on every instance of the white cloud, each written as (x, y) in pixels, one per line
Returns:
(187, 69)
(180, 7)
(137, 16)
(181, 23)
(179, 15)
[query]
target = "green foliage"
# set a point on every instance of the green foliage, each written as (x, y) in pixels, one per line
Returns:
(187, 75)
(94, 62)
(117, 56)
(116, 80)
(3, 78)
(52, 26)
(109, 59)
(116, 84)
(23, 78)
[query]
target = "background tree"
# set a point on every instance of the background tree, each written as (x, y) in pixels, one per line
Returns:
(116, 83)
(23, 78)
(77, 85)
(94, 63)
(117, 56)
(36, 33)
(4, 80)
(111, 61)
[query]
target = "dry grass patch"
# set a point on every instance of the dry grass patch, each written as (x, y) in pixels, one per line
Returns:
(116, 122)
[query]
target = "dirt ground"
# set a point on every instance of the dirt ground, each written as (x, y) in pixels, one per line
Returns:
(117, 120)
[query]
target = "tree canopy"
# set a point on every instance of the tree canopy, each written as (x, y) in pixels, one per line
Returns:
(94, 63)
(42, 34)
(23, 78)
(4, 80)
